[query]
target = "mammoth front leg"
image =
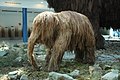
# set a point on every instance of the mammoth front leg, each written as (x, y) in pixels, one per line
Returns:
(31, 42)
(58, 50)
(30, 53)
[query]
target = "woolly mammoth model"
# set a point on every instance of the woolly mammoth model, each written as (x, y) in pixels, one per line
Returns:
(60, 32)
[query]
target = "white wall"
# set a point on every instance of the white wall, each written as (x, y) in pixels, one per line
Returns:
(8, 19)
(10, 16)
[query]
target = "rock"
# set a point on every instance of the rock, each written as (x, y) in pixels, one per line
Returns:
(116, 66)
(16, 45)
(25, 50)
(22, 56)
(4, 46)
(39, 49)
(119, 76)
(113, 75)
(59, 76)
(75, 73)
(24, 45)
(42, 48)
(21, 51)
(5, 77)
(95, 72)
(46, 79)
(39, 53)
(91, 69)
(108, 58)
(36, 49)
(107, 67)
(24, 77)
(18, 59)
(68, 55)
(3, 53)
(41, 57)
(13, 75)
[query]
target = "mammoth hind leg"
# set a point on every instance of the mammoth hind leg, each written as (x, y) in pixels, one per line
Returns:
(79, 55)
(89, 55)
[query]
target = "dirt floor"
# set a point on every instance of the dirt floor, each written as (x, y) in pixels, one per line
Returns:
(107, 59)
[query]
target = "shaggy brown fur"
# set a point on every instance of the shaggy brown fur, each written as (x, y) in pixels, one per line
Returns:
(59, 32)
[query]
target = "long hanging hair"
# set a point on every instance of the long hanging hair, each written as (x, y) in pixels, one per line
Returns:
(50, 25)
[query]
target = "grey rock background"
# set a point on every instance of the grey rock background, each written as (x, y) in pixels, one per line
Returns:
(13, 58)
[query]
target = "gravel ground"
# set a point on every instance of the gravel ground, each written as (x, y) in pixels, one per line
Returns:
(106, 59)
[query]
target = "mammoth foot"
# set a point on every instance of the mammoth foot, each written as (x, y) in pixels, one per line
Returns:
(35, 66)
(79, 60)
(53, 68)
(84, 61)
(88, 62)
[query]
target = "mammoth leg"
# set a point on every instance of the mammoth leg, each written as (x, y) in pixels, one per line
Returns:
(31, 42)
(79, 55)
(89, 52)
(30, 52)
(48, 57)
(89, 56)
(58, 49)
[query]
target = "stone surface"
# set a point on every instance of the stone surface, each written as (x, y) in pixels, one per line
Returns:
(13, 75)
(75, 73)
(24, 77)
(107, 67)
(119, 76)
(68, 55)
(18, 59)
(113, 75)
(108, 58)
(95, 72)
(3, 53)
(59, 76)
(4, 46)
(5, 77)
